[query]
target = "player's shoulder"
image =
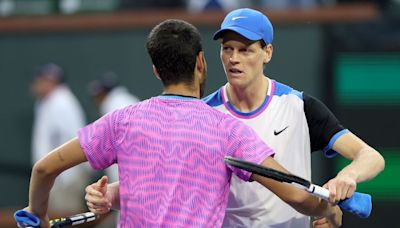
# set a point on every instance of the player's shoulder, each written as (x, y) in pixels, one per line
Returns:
(281, 89)
(129, 110)
(214, 99)
(226, 121)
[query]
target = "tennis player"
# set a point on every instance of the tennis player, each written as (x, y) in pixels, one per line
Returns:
(293, 123)
(170, 149)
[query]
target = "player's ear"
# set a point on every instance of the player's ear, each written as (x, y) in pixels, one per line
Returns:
(156, 72)
(201, 64)
(268, 49)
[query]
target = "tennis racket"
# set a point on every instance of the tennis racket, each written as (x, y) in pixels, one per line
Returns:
(26, 219)
(359, 204)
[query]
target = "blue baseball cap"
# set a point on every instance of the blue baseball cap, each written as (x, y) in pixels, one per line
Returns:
(249, 23)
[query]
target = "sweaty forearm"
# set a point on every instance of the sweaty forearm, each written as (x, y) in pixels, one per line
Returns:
(297, 198)
(366, 161)
(39, 190)
(366, 165)
(313, 206)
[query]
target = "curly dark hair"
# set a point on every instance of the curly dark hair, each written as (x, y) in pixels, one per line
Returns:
(173, 46)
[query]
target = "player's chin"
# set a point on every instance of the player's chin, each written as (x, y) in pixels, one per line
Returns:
(237, 82)
(235, 79)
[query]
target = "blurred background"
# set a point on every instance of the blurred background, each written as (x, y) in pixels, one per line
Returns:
(347, 53)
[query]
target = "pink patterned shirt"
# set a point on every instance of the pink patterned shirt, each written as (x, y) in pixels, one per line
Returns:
(170, 153)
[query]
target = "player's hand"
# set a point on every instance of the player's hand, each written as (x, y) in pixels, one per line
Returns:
(97, 198)
(341, 187)
(333, 221)
(44, 220)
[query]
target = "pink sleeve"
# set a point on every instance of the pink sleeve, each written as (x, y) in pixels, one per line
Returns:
(245, 144)
(99, 140)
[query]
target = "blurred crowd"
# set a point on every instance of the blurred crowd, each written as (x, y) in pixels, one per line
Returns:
(58, 115)
(42, 7)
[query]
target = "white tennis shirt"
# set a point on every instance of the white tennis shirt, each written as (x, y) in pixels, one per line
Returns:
(281, 121)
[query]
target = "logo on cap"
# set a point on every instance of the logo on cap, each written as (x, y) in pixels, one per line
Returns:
(240, 17)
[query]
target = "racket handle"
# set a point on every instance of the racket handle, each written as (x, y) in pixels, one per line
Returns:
(73, 220)
(359, 203)
(319, 191)
(27, 220)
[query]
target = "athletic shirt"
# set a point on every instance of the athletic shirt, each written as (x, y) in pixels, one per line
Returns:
(293, 124)
(170, 153)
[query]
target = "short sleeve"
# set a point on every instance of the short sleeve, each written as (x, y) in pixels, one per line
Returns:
(245, 144)
(99, 140)
(324, 127)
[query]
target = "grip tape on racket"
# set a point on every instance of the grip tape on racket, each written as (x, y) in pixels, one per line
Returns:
(359, 203)
(27, 220)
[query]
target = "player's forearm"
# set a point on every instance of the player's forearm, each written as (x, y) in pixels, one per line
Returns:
(39, 189)
(366, 165)
(307, 204)
(47, 169)
(113, 190)
(313, 206)
(297, 198)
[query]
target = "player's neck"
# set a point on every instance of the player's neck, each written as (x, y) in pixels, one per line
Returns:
(183, 90)
(249, 98)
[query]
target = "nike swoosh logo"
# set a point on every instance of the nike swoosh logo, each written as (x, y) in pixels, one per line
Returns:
(278, 132)
(240, 17)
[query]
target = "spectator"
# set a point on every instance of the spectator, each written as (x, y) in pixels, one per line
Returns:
(109, 95)
(57, 117)
(226, 5)
(288, 4)
(135, 4)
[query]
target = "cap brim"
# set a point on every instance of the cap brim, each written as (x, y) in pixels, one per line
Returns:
(243, 32)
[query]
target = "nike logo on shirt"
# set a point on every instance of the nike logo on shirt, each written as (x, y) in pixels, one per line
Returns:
(278, 132)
